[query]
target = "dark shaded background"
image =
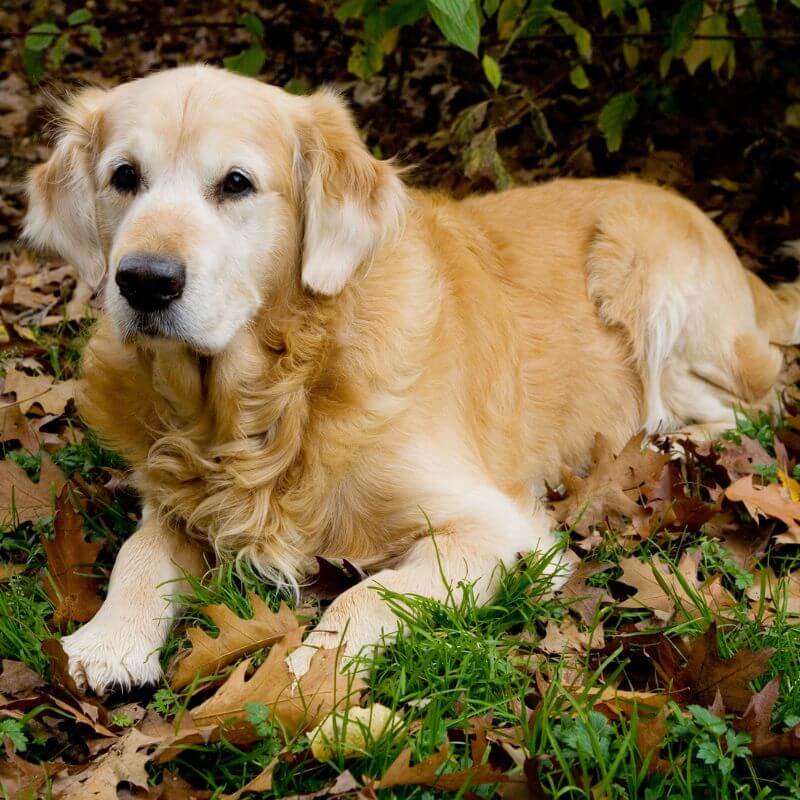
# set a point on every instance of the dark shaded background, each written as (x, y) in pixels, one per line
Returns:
(727, 143)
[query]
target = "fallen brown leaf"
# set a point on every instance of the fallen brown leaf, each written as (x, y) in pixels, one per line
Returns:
(296, 707)
(613, 488)
(9, 571)
(123, 761)
(70, 584)
(18, 679)
(15, 427)
(237, 637)
(757, 721)
(28, 500)
(771, 501)
(426, 773)
(706, 672)
(51, 395)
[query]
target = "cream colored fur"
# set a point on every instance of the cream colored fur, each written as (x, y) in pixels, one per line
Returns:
(353, 361)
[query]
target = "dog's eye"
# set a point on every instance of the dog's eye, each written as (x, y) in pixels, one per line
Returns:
(235, 184)
(125, 178)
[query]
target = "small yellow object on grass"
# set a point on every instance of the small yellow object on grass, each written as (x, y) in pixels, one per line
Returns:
(350, 734)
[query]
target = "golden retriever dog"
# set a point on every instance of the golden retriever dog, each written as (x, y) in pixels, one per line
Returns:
(301, 356)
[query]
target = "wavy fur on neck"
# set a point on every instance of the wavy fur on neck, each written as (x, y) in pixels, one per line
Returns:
(250, 450)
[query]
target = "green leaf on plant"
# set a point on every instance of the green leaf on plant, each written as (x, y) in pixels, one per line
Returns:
(33, 62)
(684, 25)
(612, 7)
(614, 118)
(492, 71)
(40, 37)
(79, 17)
(404, 12)
(95, 36)
(579, 78)
(349, 9)
(58, 50)
(14, 730)
(458, 20)
(248, 62)
(253, 24)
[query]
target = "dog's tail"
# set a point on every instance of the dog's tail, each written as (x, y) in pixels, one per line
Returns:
(778, 307)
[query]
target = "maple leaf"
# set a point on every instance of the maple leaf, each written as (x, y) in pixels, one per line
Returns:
(70, 557)
(771, 501)
(613, 487)
(297, 706)
(237, 637)
(51, 395)
(706, 672)
(23, 500)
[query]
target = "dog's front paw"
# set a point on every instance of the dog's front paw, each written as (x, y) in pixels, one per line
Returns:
(105, 656)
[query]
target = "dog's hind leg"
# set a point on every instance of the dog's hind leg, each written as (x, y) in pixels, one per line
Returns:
(659, 270)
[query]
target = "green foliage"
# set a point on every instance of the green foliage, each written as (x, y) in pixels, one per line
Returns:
(47, 43)
(615, 116)
(251, 60)
(652, 37)
(14, 731)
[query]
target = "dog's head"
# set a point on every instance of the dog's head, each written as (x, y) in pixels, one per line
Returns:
(199, 193)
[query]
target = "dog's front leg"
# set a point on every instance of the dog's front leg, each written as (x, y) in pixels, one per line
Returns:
(484, 530)
(119, 646)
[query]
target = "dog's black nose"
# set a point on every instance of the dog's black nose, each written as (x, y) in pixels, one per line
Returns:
(150, 282)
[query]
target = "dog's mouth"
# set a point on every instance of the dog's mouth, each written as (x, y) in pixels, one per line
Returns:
(152, 325)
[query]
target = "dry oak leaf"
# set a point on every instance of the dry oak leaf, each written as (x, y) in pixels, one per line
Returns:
(22, 500)
(661, 590)
(70, 584)
(21, 780)
(771, 501)
(124, 761)
(237, 637)
(19, 680)
(426, 773)
(757, 721)
(51, 395)
(782, 594)
(706, 672)
(613, 487)
(173, 787)
(623, 702)
(261, 783)
(14, 427)
(9, 571)
(562, 636)
(297, 706)
(582, 597)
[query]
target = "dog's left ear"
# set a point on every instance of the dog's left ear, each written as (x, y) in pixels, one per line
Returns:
(61, 210)
(352, 201)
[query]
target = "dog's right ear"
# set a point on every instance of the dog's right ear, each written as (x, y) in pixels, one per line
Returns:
(61, 209)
